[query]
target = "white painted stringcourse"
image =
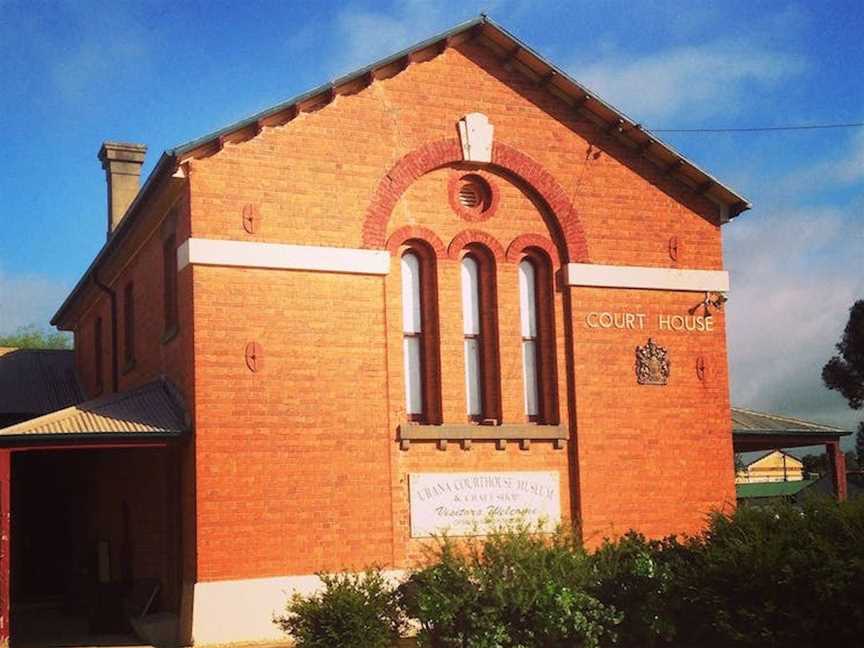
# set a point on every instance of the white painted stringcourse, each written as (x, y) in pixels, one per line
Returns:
(248, 254)
(607, 276)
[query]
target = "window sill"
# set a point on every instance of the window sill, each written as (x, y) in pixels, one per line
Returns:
(523, 433)
(170, 334)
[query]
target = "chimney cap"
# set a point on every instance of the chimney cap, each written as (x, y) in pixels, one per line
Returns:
(122, 152)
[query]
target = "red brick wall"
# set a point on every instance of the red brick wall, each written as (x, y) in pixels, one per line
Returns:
(297, 464)
(155, 354)
(293, 467)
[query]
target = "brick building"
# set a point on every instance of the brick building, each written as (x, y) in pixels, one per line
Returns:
(456, 264)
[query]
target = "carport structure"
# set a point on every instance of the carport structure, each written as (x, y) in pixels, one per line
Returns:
(757, 431)
(90, 507)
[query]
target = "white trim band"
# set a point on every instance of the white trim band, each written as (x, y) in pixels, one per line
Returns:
(607, 276)
(242, 610)
(249, 254)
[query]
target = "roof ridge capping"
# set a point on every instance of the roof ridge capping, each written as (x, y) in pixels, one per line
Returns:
(614, 121)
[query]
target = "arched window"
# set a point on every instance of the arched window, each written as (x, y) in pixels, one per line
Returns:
(537, 327)
(480, 333)
(528, 313)
(473, 337)
(420, 336)
(412, 335)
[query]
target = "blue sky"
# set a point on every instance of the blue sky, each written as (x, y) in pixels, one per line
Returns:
(162, 73)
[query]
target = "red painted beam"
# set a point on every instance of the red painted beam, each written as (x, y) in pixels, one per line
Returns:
(837, 461)
(88, 446)
(5, 543)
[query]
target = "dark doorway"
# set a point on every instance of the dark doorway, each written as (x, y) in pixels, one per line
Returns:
(93, 543)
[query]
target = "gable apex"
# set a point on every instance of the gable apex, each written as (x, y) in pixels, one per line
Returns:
(511, 51)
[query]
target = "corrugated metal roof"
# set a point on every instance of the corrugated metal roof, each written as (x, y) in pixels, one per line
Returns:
(772, 489)
(748, 421)
(37, 381)
(154, 409)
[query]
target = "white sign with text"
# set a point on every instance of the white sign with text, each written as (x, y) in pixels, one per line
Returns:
(464, 504)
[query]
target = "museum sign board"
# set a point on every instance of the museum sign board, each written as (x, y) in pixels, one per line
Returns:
(463, 504)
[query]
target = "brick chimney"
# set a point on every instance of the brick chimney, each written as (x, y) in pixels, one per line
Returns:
(122, 163)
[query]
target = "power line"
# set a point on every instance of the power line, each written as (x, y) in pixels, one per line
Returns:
(758, 129)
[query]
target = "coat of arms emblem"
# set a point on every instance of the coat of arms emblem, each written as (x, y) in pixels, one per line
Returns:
(652, 364)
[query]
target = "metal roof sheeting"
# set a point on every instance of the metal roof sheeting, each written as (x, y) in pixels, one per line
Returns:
(37, 381)
(772, 489)
(154, 409)
(748, 421)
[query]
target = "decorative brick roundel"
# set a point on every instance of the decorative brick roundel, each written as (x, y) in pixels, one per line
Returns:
(566, 229)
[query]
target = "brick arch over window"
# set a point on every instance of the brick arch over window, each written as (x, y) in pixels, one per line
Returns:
(521, 243)
(469, 236)
(409, 232)
(512, 161)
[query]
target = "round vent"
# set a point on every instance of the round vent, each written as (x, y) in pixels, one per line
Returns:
(474, 193)
(472, 196)
(469, 195)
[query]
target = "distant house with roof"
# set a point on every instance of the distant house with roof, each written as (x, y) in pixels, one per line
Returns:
(796, 492)
(771, 466)
(760, 431)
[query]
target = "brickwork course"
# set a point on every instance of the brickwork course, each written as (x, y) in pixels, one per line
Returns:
(296, 467)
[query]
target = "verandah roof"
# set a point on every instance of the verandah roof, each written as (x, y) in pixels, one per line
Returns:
(753, 431)
(152, 410)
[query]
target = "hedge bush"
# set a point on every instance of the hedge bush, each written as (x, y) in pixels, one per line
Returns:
(767, 577)
(513, 589)
(777, 576)
(351, 611)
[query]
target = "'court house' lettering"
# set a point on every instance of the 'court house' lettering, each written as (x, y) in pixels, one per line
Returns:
(636, 321)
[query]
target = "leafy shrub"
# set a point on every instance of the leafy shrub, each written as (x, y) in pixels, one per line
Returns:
(352, 611)
(769, 577)
(775, 576)
(514, 589)
(634, 576)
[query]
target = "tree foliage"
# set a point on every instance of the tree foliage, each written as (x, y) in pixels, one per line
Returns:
(845, 371)
(33, 337)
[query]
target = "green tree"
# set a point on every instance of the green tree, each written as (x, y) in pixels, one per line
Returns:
(33, 337)
(845, 371)
(815, 464)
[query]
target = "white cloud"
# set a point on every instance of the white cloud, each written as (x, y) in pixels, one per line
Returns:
(28, 299)
(98, 51)
(366, 36)
(844, 168)
(795, 273)
(691, 81)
